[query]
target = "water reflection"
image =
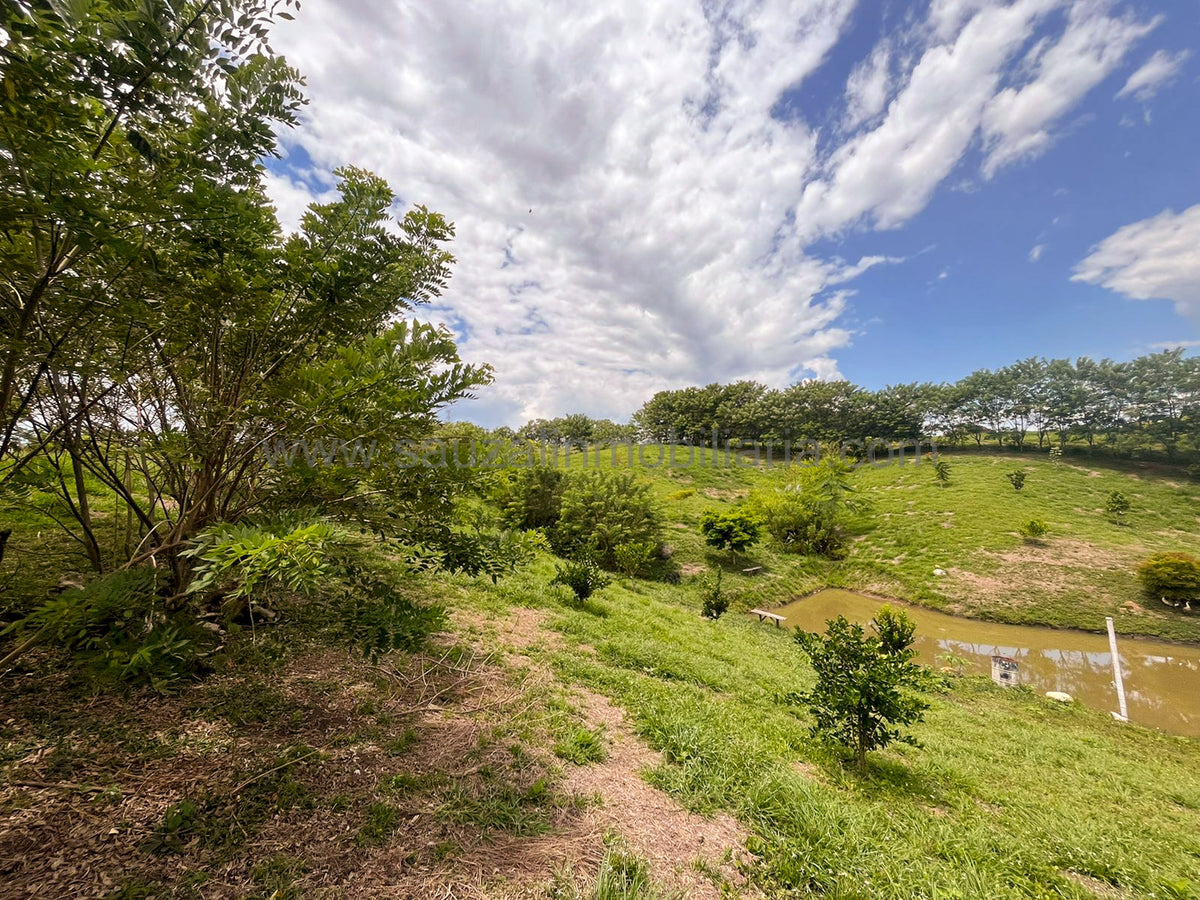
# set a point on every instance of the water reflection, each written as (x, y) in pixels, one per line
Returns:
(1162, 681)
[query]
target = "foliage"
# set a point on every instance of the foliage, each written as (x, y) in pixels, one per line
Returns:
(1117, 505)
(806, 513)
(864, 689)
(531, 497)
(1171, 576)
(491, 554)
(583, 577)
(1033, 530)
(1056, 454)
(735, 530)
(600, 512)
(117, 630)
(941, 471)
(633, 558)
(371, 608)
(244, 559)
(1017, 478)
(714, 603)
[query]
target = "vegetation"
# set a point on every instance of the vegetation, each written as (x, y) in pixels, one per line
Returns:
(1117, 505)
(583, 577)
(714, 602)
(1171, 576)
(736, 530)
(236, 655)
(1126, 409)
(865, 688)
(1033, 530)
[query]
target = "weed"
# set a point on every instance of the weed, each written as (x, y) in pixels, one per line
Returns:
(582, 746)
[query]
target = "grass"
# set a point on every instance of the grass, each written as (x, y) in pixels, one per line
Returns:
(1011, 795)
(1078, 573)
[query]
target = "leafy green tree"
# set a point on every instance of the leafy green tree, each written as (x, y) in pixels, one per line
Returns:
(1117, 506)
(531, 497)
(735, 530)
(714, 603)
(583, 577)
(865, 689)
(1033, 530)
(1017, 478)
(601, 511)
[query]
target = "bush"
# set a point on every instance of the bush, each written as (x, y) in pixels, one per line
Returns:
(805, 515)
(1117, 506)
(600, 512)
(634, 557)
(864, 681)
(1171, 576)
(531, 497)
(1017, 478)
(246, 558)
(735, 530)
(117, 630)
(715, 603)
(583, 577)
(1033, 530)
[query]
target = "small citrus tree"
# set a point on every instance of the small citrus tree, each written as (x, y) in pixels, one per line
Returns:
(865, 683)
(1171, 576)
(735, 530)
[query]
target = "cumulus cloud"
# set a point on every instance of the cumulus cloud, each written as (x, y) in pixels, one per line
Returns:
(1157, 72)
(1036, 253)
(631, 211)
(1156, 258)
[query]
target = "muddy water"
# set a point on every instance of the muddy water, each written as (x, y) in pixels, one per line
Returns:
(1162, 681)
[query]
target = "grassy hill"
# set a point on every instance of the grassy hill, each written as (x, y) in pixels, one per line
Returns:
(628, 747)
(1081, 572)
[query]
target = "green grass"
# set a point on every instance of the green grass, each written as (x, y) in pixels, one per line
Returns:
(1010, 796)
(1081, 571)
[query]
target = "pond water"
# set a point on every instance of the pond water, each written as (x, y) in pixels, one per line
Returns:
(1162, 680)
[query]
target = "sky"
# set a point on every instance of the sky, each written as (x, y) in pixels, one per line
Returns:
(653, 195)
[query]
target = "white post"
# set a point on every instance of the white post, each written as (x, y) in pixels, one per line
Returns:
(1117, 679)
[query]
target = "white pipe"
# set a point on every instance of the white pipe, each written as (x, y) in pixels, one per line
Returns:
(1117, 679)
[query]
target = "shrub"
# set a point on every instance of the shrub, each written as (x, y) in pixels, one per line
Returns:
(583, 577)
(805, 514)
(600, 512)
(1017, 478)
(715, 603)
(735, 530)
(682, 495)
(531, 497)
(1117, 506)
(1033, 530)
(941, 471)
(1171, 576)
(482, 553)
(634, 557)
(864, 683)
(117, 630)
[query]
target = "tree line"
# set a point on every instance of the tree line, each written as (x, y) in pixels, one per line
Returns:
(1148, 405)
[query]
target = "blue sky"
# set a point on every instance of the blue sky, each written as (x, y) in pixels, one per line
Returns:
(886, 192)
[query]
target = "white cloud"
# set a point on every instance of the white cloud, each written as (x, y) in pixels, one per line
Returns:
(1174, 345)
(868, 87)
(1157, 72)
(629, 214)
(1156, 258)
(1016, 122)
(1036, 253)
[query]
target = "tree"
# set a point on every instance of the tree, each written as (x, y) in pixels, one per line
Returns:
(941, 471)
(806, 513)
(1117, 505)
(1017, 478)
(865, 684)
(735, 530)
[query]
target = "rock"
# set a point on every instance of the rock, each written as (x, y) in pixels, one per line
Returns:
(1060, 696)
(939, 572)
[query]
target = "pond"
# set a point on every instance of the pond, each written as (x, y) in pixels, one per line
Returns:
(1162, 680)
